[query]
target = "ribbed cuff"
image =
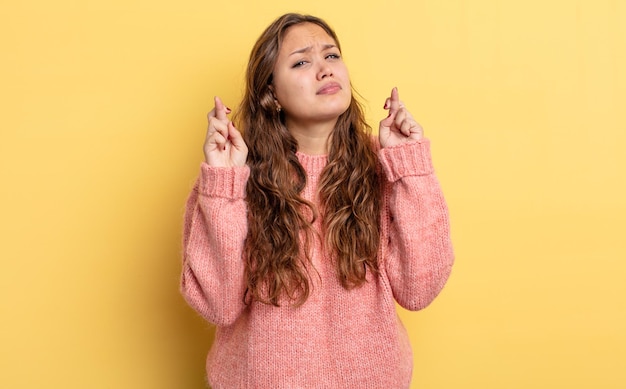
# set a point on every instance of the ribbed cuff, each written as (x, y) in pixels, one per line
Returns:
(410, 159)
(227, 182)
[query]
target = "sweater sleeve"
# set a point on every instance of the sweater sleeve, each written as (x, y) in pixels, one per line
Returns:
(215, 228)
(418, 256)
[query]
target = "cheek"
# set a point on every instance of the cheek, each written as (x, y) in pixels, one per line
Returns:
(281, 86)
(340, 69)
(289, 90)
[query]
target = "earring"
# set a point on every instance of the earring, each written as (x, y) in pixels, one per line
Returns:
(278, 109)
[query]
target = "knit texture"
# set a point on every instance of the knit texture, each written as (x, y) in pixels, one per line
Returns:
(338, 338)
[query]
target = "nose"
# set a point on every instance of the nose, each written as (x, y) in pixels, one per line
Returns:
(324, 70)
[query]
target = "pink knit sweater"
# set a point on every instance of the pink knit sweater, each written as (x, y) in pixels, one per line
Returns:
(338, 338)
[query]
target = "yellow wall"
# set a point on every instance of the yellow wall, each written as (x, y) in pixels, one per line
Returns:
(103, 117)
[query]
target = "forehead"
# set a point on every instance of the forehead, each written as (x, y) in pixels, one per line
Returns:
(304, 35)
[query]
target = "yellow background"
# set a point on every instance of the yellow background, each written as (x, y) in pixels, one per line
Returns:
(103, 117)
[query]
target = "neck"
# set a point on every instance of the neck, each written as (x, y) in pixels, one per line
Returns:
(312, 138)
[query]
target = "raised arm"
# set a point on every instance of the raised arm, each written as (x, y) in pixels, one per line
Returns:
(418, 254)
(215, 225)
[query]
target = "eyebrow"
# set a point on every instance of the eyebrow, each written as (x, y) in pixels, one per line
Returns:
(308, 48)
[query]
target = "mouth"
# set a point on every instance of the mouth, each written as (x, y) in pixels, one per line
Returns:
(329, 89)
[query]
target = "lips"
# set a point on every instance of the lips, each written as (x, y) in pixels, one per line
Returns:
(329, 89)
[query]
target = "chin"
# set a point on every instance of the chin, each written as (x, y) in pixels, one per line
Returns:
(335, 112)
(341, 107)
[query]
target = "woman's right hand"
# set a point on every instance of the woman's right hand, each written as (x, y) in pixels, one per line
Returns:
(224, 146)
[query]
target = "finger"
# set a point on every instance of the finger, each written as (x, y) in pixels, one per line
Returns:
(235, 136)
(388, 121)
(220, 109)
(417, 132)
(401, 116)
(394, 98)
(218, 140)
(217, 126)
(406, 126)
(211, 114)
(394, 101)
(222, 129)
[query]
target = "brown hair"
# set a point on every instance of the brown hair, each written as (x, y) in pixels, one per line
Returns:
(277, 261)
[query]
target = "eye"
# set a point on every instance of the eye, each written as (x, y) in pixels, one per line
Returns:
(299, 63)
(333, 56)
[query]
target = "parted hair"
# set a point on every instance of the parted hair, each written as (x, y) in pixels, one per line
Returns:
(280, 220)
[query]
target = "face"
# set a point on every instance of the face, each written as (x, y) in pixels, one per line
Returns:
(310, 79)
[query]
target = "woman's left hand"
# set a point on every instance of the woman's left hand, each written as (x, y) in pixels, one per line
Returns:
(399, 126)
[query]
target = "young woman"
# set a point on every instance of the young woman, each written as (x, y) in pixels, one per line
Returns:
(302, 234)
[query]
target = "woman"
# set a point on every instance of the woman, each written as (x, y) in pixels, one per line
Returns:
(302, 233)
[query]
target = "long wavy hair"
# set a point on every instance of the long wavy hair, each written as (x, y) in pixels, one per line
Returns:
(280, 220)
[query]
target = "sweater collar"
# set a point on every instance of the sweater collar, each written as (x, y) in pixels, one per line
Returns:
(313, 164)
